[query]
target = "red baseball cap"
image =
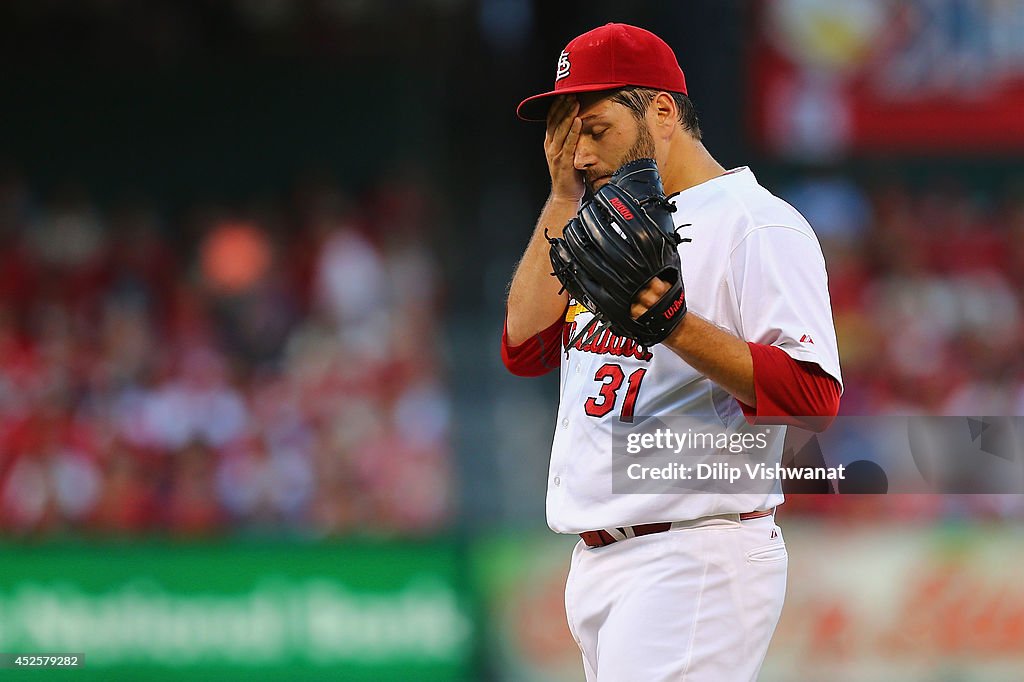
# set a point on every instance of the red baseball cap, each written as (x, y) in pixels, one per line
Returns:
(611, 56)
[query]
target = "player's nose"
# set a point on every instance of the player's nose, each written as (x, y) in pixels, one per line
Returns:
(584, 156)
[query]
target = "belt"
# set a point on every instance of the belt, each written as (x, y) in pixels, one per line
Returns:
(602, 537)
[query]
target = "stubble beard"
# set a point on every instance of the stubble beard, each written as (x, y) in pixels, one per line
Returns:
(643, 148)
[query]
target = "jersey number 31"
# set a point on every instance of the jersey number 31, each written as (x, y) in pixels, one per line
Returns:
(611, 377)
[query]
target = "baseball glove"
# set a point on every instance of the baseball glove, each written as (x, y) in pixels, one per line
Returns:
(617, 242)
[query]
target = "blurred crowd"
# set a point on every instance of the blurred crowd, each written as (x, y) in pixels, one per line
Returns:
(271, 367)
(927, 288)
(927, 291)
(277, 366)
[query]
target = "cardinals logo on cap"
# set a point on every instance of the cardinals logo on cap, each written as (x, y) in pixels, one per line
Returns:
(563, 66)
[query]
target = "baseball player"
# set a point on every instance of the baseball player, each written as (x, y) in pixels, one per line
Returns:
(666, 586)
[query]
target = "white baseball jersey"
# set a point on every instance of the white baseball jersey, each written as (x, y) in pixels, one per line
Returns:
(753, 267)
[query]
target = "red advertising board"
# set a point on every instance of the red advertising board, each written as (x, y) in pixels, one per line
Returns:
(875, 76)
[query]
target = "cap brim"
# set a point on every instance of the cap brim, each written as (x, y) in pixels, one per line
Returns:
(536, 108)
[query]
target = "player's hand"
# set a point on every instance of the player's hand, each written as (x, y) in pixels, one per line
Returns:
(648, 296)
(563, 131)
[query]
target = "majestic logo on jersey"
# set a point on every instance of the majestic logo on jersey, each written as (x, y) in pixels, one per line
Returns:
(621, 208)
(806, 338)
(563, 66)
(604, 342)
(672, 309)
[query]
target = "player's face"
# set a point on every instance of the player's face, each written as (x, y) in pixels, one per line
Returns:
(611, 136)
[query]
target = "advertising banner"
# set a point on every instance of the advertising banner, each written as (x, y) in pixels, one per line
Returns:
(349, 611)
(522, 582)
(874, 602)
(928, 76)
(866, 600)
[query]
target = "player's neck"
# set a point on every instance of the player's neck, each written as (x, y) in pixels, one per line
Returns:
(689, 165)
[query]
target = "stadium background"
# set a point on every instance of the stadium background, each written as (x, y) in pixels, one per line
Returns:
(253, 257)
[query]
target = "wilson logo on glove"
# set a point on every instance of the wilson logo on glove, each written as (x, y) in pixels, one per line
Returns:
(674, 308)
(621, 208)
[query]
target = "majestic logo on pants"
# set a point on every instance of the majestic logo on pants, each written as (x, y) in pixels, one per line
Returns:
(563, 66)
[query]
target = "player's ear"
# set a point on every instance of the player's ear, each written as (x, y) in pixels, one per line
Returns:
(665, 109)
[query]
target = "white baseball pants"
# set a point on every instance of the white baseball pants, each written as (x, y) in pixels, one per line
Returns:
(694, 604)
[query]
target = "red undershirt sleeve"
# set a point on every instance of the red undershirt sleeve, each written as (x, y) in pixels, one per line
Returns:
(537, 355)
(790, 391)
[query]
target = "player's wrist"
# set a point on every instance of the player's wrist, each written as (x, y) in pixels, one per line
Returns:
(677, 336)
(565, 199)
